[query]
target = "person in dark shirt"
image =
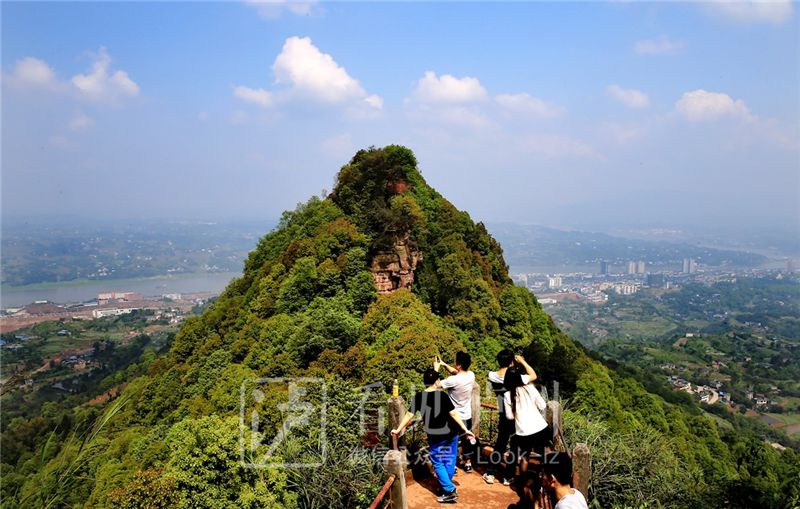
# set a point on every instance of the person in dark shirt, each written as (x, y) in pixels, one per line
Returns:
(442, 425)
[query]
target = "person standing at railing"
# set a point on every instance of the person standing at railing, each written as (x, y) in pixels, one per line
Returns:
(505, 426)
(442, 424)
(459, 387)
(524, 405)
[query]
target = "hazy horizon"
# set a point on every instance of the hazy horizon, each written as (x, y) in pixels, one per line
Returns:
(583, 115)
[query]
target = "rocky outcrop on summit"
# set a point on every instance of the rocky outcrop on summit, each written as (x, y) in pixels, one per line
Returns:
(394, 269)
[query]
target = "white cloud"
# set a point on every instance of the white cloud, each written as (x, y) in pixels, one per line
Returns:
(529, 105)
(312, 73)
(32, 71)
(752, 11)
(629, 96)
(273, 9)
(80, 121)
(660, 46)
(449, 89)
(700, 105)
(104, 85)
(257, 96)
(374, 101)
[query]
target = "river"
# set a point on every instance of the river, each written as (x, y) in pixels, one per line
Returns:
(83, 290)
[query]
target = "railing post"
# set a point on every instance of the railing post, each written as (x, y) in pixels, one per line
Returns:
(394, 463)
(397, 409)
(476, 409)
(581, 468)
(553, 417)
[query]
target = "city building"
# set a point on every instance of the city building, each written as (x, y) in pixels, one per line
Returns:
(640, 267)
(689, 266)
(100, 313)
(631, 267)
(603, 267)
(626, 289)
(554, 282)
(126, 296)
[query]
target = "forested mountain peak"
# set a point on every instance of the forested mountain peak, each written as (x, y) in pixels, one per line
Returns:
(310, 304)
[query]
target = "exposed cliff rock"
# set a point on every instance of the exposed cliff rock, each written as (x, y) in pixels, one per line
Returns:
(394, 269)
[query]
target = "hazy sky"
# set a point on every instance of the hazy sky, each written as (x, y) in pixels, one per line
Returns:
(552, 113)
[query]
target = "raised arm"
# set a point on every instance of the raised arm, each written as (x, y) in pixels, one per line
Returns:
(403, 423)
(528, 369)
(439, 363)
(457, 418)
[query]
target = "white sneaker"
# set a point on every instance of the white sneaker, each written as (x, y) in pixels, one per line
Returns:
(488, 478)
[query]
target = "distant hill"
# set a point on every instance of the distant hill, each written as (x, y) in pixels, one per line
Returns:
(365, 285)
(531, 246)
(60, 249)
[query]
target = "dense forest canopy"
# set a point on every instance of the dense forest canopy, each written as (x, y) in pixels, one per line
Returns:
(307, 305)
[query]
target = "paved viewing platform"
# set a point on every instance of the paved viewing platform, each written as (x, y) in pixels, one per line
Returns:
(417, 488)
(473, 492)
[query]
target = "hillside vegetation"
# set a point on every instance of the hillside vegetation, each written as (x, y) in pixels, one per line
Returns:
(307, 305)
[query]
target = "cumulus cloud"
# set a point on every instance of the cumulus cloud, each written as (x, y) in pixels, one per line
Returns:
(103, 84)
(257, 96)
(449, 89)
(752, 11)
(629, 96)
(529, 105)
(273, 9)
(700, 105)
(659, 46)
(314, 74)
(80, 122)
(32, 71)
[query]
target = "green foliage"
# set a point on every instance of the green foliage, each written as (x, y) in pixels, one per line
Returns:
(149, 489)
(297, 289)
(307, 306)
(632, 468)
(327, 323)
(361, 291)
(204, 463)
(402, 337)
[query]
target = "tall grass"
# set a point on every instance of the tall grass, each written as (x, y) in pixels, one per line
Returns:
(68, 471)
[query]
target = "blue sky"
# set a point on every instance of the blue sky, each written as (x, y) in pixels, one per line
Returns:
(606, 114)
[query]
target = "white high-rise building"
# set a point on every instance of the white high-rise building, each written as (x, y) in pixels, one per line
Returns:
(631, 267)
(640, 267)
(554, 282)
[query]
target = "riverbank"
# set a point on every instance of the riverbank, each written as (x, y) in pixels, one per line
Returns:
(82, 290)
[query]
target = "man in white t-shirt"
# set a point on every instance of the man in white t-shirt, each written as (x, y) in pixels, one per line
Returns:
(459, 388)
(558, 480)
